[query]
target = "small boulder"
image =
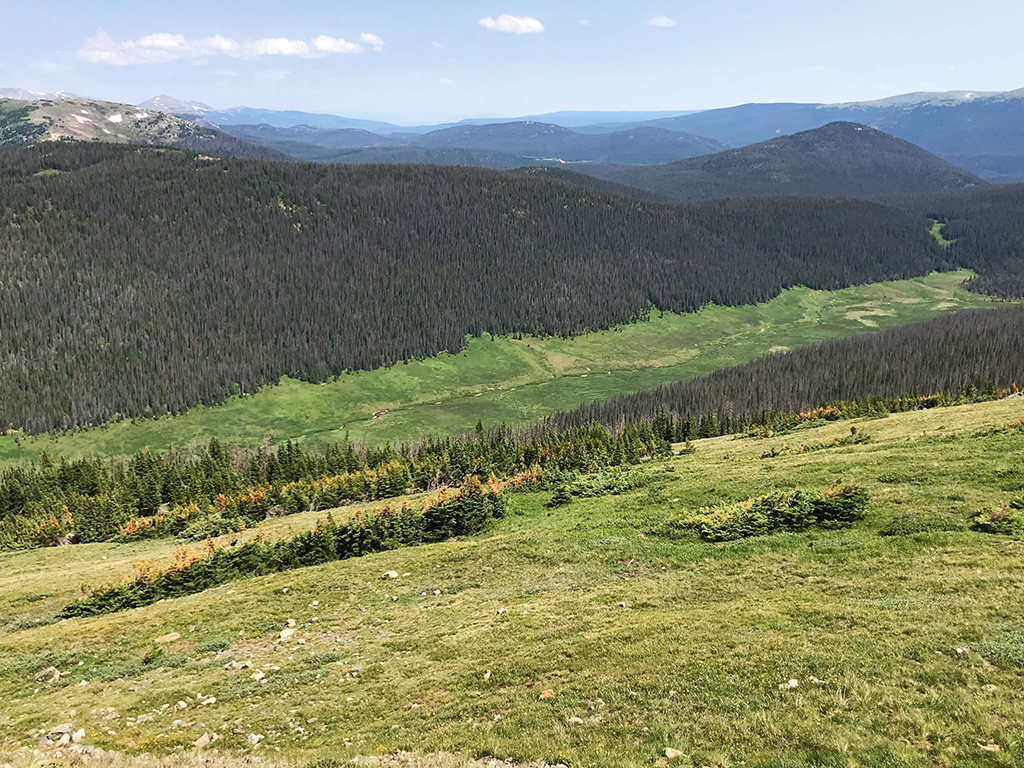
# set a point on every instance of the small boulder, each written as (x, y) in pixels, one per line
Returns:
(233, 666)
(389, 575)
(548, 694)
(286, 633)
(290, 623)
(61, 734)
(671, 753)
(78, 735)
(202, 741)
(254, 738)
(168, 638)
(575, 721)
(257, 675)
(47, 675)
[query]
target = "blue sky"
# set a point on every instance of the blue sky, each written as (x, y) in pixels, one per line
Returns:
(418, 62)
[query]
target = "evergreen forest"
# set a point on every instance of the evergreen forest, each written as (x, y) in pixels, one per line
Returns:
(139, 281)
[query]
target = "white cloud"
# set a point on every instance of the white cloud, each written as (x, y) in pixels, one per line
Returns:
(437, 44)
(327, 44)
(374, 41)
(445, 81)
(279, 46)
(661, 21)
(516, 25)
(163, 47)
(584, 22)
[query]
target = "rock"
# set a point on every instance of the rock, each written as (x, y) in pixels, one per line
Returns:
(211, 700)
(389, 575)
(989, 747)
(290, 623)
(257, 675)
(233, 666)
(202, 741)
(575, 721)
(671, 753)
(286, 633)
(487, 675)
(84, 682)
(254, 738)
(502, 610)
(78, 735)
(356, 669)
(988, 688)
(180, 706)
(64, 729)
(548, 694)
(47, 675)
(789, 684)
(620, 605)
(169, 638)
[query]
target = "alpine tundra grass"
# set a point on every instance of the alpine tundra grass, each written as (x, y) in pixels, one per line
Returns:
(591, 633)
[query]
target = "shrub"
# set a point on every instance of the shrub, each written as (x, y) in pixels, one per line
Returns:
(1005, 519)
(797, 510)
(840, 506)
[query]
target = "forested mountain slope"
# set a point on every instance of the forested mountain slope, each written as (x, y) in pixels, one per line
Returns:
(140, 281)
(959, 352)
(838, 159)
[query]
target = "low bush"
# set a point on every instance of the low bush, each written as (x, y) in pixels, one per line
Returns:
(836, 507)
(1006, 519)
(467, 510)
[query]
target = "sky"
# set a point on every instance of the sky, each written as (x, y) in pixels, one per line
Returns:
(415, 62)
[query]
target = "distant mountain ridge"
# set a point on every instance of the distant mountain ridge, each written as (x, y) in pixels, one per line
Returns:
(980, 131)
(499, 145)
(26, 122)
(838, 159)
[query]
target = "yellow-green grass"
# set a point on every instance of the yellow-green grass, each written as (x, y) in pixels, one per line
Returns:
(907, 650)
(521, 381)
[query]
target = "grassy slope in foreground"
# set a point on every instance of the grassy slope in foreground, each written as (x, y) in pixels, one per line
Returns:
(520, 382)
(649, 642)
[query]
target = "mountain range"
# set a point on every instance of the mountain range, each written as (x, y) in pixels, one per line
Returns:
(980, 131)
(844, 159)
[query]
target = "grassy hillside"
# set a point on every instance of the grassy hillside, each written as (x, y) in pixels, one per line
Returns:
(587, 634)
(521, 381)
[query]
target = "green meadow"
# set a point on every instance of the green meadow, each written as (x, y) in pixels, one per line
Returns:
(589, 634)
(519, 381)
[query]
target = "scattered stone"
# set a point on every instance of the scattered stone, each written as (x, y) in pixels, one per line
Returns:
(963, 649)
(548, 694)
(389, 575)
(62, 733)
(671, 753)
(168, 638)
(502, 610)
(356, 669)
(575, 721)
(233, 666)
(487, 675)
(988, 688)
(437, 591)
(254, 738)
(989, 747)
(621, 605)
(202, 741)
(286, 633)
(257, 675)
(78, 735)
(211, 700)
(788, 685)
(84, 682)
(47, 675)
(290, 622)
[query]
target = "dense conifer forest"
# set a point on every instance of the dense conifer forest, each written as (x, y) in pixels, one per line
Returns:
(958, 355)
(139, 281)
